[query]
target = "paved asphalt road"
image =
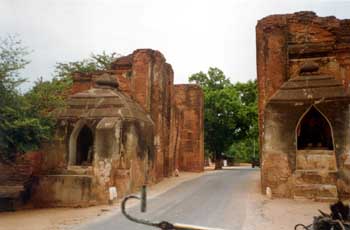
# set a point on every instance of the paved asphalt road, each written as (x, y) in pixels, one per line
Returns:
(216, 199)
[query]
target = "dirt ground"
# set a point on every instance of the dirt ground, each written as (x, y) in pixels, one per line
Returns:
(261, 213)
(64, 218)
(278, 214)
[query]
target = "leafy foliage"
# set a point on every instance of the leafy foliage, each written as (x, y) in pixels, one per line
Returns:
(12, 60)
(247, 149)
(25, 120)
(20, 129)
(230, 115)
(215, 79)
(96, 62)
(46, 96)
(224, 119)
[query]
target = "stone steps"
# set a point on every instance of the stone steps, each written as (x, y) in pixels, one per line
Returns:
(315, 184)
(317, 192)
(315, 177)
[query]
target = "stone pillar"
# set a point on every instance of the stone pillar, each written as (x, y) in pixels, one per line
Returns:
(188, 133)
(151, 85)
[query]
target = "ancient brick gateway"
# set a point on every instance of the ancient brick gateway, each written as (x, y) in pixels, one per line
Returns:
(122, 128)
(303, 78)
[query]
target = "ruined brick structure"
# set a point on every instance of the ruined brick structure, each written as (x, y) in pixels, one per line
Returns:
(187, 131)
(303, 66)
(148, 79)
(122, 128)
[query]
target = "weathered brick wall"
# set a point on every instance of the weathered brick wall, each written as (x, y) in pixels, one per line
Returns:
(146, 77)
(149, 80)
(284, 43)
(151, 84)
(174, 134)
(188, 133)
(81, 82)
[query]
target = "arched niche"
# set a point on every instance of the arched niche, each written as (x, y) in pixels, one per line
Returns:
(314, 131)
(81, 144)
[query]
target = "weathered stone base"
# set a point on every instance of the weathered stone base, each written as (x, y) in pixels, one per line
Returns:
(317, 185)
(64, 191)
(315, 177)
(276, 174)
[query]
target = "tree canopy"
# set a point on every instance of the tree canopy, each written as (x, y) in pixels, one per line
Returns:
(25, 119)
(230, 117)
(21, 129)
(230, 114)
(46, 96)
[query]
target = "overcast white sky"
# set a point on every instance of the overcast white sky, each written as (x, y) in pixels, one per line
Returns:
(192, 34)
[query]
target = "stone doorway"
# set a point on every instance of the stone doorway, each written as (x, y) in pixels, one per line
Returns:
(85, 143)
(81, 145)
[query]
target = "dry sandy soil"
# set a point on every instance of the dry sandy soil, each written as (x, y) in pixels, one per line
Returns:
(278, 214)
(261, 213)
(64, 218)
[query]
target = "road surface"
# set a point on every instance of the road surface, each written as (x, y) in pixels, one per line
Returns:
(217, 199)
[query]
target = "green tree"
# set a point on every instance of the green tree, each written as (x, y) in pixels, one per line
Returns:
(96, 62)
(12, 60)
(25, 120)
(20, 129)
(215, 79)
(247, 149)
(225, 117)
(46, 96)
(248, 92)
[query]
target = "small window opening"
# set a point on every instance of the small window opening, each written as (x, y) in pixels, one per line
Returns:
(314, 132)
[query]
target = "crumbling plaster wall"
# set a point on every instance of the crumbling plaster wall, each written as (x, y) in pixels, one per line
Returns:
(146, 77)
(284, 43)
(123, 166)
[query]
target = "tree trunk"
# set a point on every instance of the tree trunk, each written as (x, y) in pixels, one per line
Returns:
(218, 162)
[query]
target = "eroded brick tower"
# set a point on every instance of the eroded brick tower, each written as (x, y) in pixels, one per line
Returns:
(303, 66)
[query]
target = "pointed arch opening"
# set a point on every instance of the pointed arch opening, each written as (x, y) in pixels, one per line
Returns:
(85, 142)
(314, 131)
(81, 145)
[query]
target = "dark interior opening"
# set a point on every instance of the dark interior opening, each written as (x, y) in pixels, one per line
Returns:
(314, 132)
(85, 143)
